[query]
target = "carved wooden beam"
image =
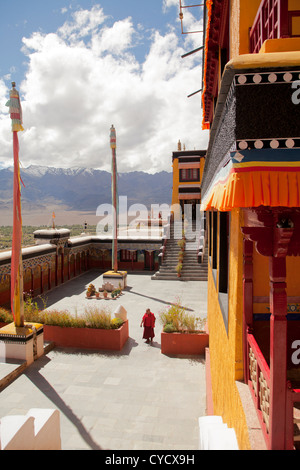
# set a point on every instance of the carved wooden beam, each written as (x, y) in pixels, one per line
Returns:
(275, 231)
(281, 241)
(262, 238)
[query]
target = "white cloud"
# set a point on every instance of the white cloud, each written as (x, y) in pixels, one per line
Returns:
(115, 40)
(84, 22)
(170, 3)
(84, 77)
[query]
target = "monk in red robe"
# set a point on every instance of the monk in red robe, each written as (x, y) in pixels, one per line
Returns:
(148, 321)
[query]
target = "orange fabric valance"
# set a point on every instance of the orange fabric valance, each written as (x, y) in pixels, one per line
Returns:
(256, 183)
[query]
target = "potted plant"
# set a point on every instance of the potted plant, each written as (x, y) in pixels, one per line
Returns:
(97, 294)
(105, 294)
(181, 244)
(183, 332)
(91, 290)
(95, 329)
(178, 269)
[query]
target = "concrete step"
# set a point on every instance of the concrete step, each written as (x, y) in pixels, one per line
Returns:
(167, 269)
(193, 263)
(166, 277)
(174, 277)
(192, 269)
(193, 272)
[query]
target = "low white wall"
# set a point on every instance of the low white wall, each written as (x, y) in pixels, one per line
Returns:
(39, 429)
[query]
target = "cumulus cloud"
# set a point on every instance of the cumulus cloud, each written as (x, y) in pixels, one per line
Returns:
(84, 77)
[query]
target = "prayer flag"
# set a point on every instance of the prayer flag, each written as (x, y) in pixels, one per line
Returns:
(113, 145)
(17, 304)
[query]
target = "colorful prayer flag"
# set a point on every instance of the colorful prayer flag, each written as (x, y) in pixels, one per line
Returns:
(113, 145)
(17, 304)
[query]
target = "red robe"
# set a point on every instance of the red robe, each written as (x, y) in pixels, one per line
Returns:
(149, 324)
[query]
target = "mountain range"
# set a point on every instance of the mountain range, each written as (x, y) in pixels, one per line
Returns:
(82, 189)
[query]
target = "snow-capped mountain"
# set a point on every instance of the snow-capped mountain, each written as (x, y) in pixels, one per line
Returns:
(84, 189)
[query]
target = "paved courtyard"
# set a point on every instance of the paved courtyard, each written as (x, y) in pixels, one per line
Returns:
(136, 399)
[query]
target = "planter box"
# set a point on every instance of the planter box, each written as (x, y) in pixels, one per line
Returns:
(87, 338)
(184, 343)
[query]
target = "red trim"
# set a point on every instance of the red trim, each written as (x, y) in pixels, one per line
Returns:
(217, 14)
(262, 367)
(265, 168)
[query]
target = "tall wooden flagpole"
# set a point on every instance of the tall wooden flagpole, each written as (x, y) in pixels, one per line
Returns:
(17, 304)
(113, 145)
(117, 278)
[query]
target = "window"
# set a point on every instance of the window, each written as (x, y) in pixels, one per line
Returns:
(214, 240)
(127, 255)
(218, 237)
(223, 252)
(223, 265)
(189, 174)
(209, 234)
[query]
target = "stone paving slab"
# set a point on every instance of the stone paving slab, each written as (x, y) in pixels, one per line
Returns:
(135, 399)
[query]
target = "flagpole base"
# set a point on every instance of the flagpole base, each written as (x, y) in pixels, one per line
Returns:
(23, 343)
(117, 279)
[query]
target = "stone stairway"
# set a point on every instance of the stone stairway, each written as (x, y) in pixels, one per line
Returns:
(167, 269)
(191, 269)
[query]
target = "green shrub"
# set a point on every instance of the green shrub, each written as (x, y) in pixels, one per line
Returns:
(32, 311)
(93, 317)
(172, 315)
(97, 318)
(169, 328)
(116, 323)
(181, 244)
(179, 267)
(5, 315)
(176, 318)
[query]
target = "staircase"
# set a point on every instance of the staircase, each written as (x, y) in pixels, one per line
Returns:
(167, 270)
(191, 269)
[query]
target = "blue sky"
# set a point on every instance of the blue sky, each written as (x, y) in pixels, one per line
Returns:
(36, 15)
(127, 55)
